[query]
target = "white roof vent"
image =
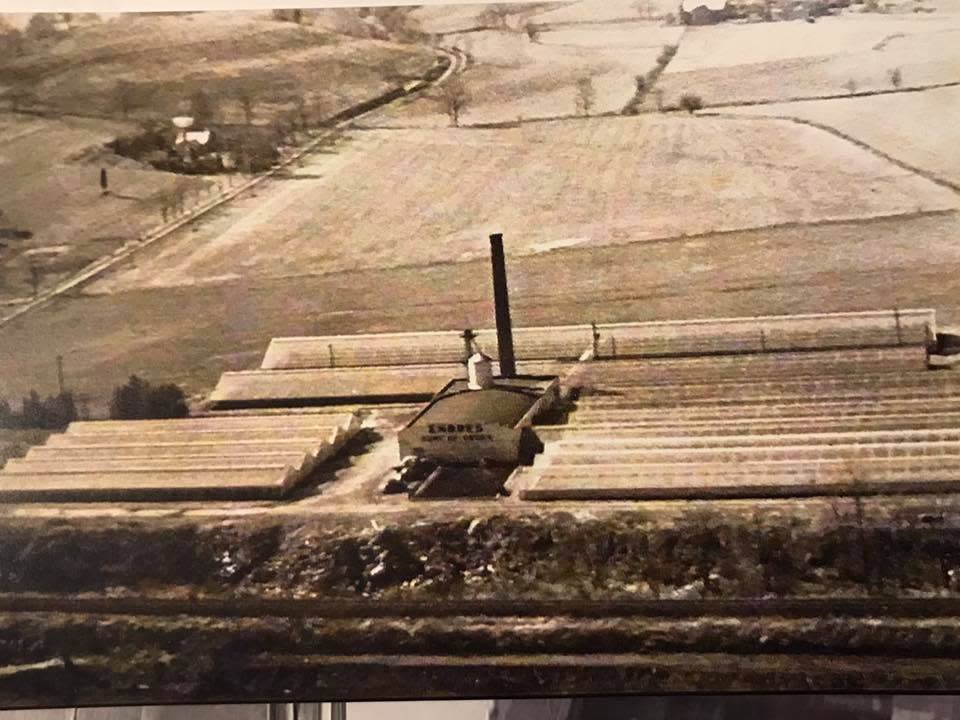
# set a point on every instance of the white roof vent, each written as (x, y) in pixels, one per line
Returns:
(479, 372)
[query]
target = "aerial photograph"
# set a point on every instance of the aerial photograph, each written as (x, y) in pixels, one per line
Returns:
(480, 351)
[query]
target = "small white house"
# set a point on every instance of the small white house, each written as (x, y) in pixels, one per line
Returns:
(200, 137)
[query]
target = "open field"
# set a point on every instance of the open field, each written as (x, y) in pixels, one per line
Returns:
(511, 77)
(167, 58)
(758, 62)
(190, 335)
(448, 19)
(896, 124)
(551, 185)
(586, 11)
(406, 213)
(730, 44)
(56, 159)
(57, 197)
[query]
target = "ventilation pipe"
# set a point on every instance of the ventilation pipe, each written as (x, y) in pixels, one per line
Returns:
(501, 299)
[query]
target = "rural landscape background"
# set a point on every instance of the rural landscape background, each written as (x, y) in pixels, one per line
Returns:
(779, 158)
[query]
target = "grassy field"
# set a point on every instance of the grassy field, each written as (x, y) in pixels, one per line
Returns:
(587, 11)
(758, 62)
(511, 77)
(605, 219)
(898, 125)
(57, 197)
(190, 335)
(167, 58)
(450, 19)
(56, 159)
(566, 184)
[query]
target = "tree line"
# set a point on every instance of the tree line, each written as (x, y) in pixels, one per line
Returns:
(137, 399)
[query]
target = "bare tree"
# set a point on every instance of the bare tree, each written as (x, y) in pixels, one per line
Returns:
(41, 27)
(294, 16)
(896, 77)
(496, 17)
(281, 129)
(586, 96)
(454, 99)
(851, 86)
(36, 277)
(125, 97)
(300, 113)
(658, 94)
(642, 85)
(665, 56)
(11, 41)
(533, 32)
(397, 22)
(203, 108)
(319, 110)
(180, 193)
(644, 8)
(247, 102)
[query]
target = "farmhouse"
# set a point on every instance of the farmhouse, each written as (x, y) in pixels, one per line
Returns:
(703, 12)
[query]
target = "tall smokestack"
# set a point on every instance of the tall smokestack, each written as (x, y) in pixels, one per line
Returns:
(501, 299)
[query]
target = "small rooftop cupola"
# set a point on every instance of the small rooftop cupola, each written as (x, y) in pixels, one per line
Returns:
(479, 372)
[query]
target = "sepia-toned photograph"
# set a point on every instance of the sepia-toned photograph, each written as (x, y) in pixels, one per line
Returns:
(540, 349)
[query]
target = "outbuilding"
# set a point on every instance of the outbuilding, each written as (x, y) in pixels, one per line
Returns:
(703, 12)
(481, 419)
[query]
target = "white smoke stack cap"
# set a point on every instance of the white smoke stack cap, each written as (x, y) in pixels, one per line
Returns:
(479, 372)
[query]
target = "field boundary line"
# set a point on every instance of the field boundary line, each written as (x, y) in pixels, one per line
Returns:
(455, 63)
(863, 145)
(832, 96)
(707, 109)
